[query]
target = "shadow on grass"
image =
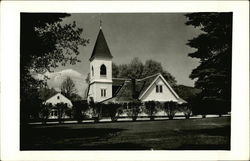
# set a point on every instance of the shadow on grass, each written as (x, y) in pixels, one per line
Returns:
(61, 138)
(115, 146)
(219, 131)
(176, 135)
(204, 147)
(214, 144)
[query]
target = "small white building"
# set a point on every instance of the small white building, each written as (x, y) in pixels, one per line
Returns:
(58, 98)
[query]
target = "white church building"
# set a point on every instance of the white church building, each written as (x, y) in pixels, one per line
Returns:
(104, 88)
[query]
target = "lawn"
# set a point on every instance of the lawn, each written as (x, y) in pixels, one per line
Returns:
(201, 134)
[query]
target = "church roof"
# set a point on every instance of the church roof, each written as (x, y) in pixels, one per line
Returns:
(122, 88)
(101, 49)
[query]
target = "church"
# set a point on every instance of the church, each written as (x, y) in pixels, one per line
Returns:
(103, 88)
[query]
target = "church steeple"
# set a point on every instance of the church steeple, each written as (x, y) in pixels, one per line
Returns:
(101, 49)
(100, 87)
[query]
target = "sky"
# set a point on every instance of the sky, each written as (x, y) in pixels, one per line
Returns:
(158, 36)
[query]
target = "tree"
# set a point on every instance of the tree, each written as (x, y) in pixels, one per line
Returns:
(123, 71)
(115, 70)
(45, 111)
(170, 108)
(45, 43)
(186, 109)
(68, 88)
(150, 109)
(152, 67)
(46, 93)
(214, 50)
(113, 109)
(79, 110)
(61, 109)
(134, 109)
(136, 69)
(96, 110)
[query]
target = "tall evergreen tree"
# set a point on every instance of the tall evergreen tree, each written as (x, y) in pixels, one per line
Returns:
(214, 50)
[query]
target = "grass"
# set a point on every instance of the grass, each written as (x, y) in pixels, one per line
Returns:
(192, 134)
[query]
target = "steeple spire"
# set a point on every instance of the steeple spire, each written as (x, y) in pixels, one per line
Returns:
(101, 48)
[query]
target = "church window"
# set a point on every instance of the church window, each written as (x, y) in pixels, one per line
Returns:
(92, 71)
(58, 97)
(103, 71)
(159, 89)
(103, 92)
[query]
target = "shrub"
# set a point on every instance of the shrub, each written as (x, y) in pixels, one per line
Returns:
(96, 110)
(45, 111)
(61, 108)
(170, 108)
(150, 109)
(114, 110)
(79, 110)
(134, 109)
(186, 109)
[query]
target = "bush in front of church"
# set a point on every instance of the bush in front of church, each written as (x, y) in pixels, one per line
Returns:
(79, 110)
(96, 108)
(114, 110)
(186, 109)
(150, 109)
(171, 108)
(45, 111)
(134, 109)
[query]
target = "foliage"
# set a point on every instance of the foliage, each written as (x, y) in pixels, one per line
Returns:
(114, 109)
(31, 106)
(187, 93)
(170, 107)
(68, 88)
(214, 50)
(45, 43)
(79, 110)
(137, 70)
(152, 67)
(97, 110)
(75, 97)
(45, 93)
(186, 109)
(45, 112)
(150, 109)
(61, 109)
(134, 109)
(115, 70)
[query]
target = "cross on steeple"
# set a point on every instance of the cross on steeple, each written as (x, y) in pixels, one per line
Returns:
(100, 22)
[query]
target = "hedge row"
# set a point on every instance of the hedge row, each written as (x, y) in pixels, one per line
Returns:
(81, 109)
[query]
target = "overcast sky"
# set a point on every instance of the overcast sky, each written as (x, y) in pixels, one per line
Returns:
(158, 36)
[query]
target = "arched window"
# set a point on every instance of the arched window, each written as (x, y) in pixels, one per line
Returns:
(92, 71)
(103, 71)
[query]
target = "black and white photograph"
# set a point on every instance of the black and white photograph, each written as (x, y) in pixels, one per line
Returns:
(147, 82)
(125, 81)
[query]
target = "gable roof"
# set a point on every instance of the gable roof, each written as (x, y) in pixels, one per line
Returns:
(122, 88)
(53, 100)
(101, 49)
(166, 83)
